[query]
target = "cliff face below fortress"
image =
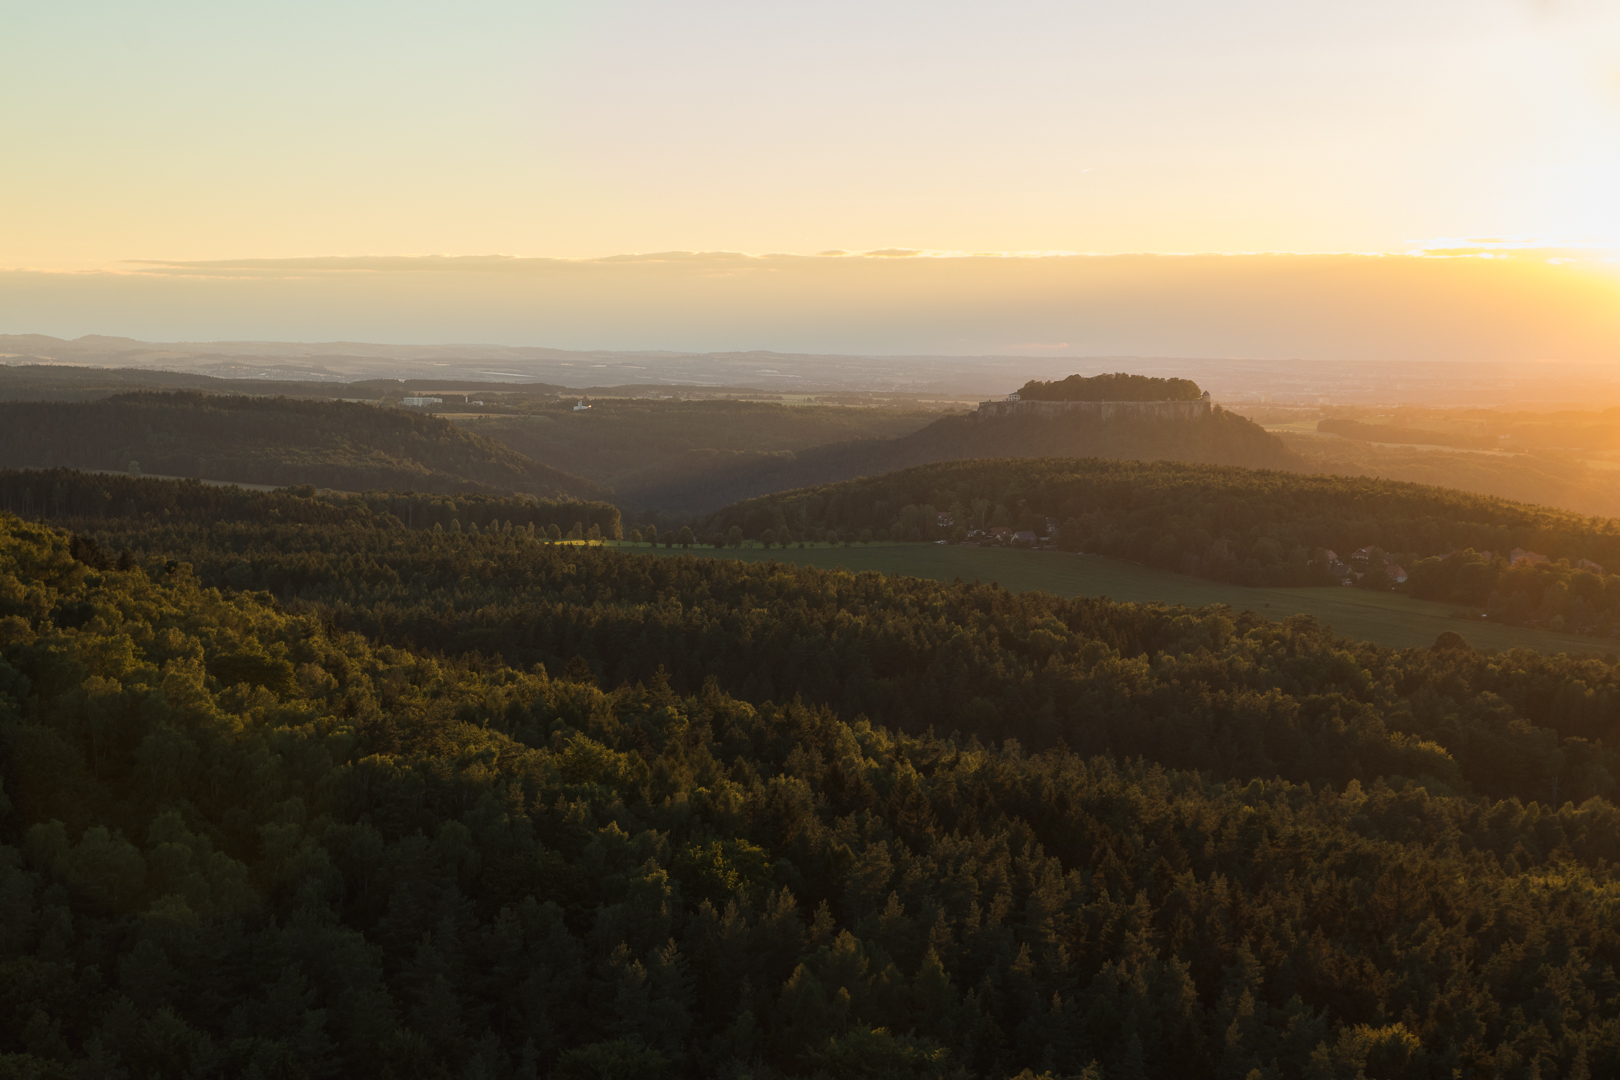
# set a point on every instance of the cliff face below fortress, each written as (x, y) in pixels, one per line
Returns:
(1096, 410)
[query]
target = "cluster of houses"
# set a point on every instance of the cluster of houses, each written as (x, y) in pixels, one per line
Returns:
(1002, 534)
(421, 401)
(1350, 571)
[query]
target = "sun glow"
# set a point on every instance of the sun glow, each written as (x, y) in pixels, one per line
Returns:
(566, 130)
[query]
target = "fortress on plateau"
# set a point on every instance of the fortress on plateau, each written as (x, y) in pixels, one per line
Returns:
(1013, 405)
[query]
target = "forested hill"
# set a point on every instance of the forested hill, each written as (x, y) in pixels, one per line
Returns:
(278, 441)
(238, 840)
(1217, 438)
(1118, 386)
(1254, 527)
(1170, 513)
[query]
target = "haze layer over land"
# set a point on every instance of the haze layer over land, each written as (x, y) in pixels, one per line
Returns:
(1319, 307)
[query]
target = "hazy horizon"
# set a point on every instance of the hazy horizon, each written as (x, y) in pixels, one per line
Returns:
(1431, 181)
(1316, 307)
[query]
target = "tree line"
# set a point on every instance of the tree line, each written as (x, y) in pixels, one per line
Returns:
(139, 503)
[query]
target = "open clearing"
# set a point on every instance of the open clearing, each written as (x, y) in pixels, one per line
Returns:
(1385, 618)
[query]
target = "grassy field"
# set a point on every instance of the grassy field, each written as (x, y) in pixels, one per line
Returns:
(1385, 618)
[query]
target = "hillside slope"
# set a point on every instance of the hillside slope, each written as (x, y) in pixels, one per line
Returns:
(645, 450)
(1221, 438)
(278, 441)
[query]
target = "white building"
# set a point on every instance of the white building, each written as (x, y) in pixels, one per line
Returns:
(418, 402)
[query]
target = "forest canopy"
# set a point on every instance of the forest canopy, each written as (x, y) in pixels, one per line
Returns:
(238, 838)
(1118, 386)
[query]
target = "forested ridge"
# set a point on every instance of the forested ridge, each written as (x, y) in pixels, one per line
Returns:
(140, 503)
(1253, 527)
(240, 839)
(66, 382)
(275, 441)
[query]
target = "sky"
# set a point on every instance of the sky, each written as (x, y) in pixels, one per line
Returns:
(143, 140)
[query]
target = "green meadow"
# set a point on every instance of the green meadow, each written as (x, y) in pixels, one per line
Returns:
(1386, 618)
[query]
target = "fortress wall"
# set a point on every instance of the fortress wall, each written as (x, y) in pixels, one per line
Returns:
(1097, 410)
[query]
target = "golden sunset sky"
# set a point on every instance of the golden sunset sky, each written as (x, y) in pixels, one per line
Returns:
(171, 169)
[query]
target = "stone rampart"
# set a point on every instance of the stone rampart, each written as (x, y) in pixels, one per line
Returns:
(1096, 410)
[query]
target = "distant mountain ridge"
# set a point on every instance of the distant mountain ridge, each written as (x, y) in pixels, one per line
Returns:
(61, 382)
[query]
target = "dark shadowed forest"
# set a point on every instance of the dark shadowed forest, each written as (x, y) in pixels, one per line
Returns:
(276, 441)
(433, 802)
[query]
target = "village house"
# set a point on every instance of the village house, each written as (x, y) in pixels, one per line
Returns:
(1520, 555)
(1337, 568)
